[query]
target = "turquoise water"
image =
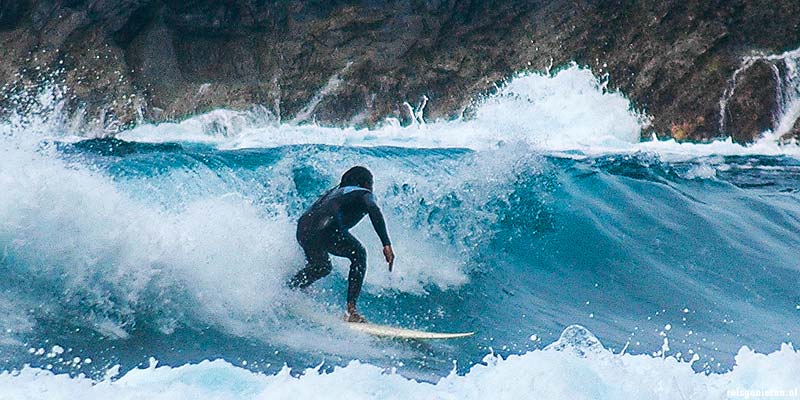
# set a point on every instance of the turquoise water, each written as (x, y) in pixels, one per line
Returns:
(516, 243)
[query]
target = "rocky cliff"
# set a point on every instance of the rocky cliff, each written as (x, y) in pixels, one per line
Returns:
(356, 62)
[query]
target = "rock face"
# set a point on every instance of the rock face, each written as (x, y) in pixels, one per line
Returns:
(356, 62)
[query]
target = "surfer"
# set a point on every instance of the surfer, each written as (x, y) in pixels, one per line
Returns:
(324, 228)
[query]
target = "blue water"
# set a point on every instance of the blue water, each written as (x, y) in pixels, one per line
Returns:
(509, 243)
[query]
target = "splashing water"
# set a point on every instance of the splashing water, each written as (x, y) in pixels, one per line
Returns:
(539, 211)
(787, 91)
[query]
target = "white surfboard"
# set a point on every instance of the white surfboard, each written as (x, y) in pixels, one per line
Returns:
(401, 333)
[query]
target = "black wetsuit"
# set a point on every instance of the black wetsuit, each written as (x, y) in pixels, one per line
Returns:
(323, 229)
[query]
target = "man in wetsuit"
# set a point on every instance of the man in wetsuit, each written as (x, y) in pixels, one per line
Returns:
(324, 227)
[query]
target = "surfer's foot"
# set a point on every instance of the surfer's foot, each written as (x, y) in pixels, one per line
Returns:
(355, 317)
(352, 315)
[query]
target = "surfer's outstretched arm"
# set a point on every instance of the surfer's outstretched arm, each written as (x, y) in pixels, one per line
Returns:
(376, 217)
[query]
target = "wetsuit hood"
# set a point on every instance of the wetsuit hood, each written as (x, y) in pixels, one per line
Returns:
(357, 176)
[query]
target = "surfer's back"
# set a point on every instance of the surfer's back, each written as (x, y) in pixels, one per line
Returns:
(341, 207)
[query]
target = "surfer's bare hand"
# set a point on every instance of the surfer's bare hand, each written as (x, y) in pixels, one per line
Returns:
(389, 255)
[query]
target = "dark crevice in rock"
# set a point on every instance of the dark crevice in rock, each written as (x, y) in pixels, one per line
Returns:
(139, 20)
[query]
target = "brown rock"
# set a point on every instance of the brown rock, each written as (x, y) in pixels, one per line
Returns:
(673, 58)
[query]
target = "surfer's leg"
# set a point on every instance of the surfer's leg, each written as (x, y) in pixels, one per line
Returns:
(318, 264)
(347, 246)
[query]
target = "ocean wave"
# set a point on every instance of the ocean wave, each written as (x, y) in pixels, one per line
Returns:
(534, 212)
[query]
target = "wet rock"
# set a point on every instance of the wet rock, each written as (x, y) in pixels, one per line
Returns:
(358, 62)
(751, 108)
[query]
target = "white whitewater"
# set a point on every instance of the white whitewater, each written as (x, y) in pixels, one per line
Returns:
(567, 369)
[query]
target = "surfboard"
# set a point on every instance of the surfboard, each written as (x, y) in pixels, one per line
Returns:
(402, 333)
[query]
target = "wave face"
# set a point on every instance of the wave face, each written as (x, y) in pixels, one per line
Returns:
(539, 211)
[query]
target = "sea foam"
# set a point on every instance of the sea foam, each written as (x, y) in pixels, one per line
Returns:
(570, 110)
(560, 371)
